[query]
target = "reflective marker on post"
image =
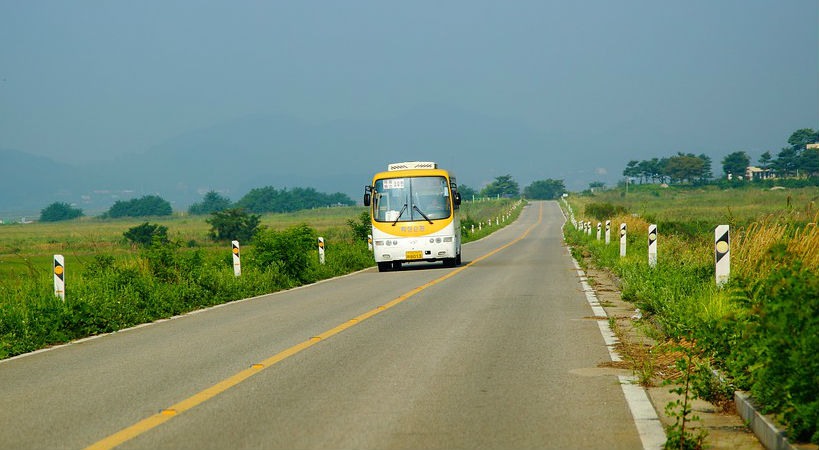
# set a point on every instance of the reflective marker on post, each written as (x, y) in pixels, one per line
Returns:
(321, 249)
(622, 240)
(652, 245)
(608, 232)
(722, 254)
(59, 276)
(237, 264)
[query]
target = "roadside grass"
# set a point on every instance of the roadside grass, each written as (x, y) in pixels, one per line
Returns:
(111, 285)
(759, 329)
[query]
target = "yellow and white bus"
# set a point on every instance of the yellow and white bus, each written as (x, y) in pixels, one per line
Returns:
(414, 215)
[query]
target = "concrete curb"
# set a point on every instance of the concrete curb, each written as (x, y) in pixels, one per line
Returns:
(766, 431)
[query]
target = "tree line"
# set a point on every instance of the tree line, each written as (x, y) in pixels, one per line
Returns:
(271, 200)
(506, 186)
(259, 200)
(799, 158)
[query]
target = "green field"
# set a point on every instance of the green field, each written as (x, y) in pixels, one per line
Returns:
(709, 203)
(29, 248)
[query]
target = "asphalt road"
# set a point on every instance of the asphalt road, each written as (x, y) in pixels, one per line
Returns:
(501, 354)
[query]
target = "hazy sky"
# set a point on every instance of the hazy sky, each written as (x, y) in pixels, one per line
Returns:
(87, 80)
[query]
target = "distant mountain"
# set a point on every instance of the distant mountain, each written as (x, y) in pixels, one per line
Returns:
(279, 151)
(29, 183)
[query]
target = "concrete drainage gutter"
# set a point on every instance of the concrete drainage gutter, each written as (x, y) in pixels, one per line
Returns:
(766, 431)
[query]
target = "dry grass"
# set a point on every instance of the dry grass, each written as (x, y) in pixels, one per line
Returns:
(751, 249)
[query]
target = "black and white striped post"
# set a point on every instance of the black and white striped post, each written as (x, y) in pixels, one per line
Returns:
(59, 276)
(622, 240)
(608, 232)
(722, 254)
(321, 250)
(599, 227)
(652, 245)
(237, 263)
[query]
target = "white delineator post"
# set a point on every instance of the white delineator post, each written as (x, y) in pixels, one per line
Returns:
(370, 240)
(722, 254)
(608, 232)
(652, 245)
(237, 264)
(321, 249)
(599, 227)
(622, 240)
(59, 276)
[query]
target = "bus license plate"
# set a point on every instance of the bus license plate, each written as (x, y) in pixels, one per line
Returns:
(414, 255)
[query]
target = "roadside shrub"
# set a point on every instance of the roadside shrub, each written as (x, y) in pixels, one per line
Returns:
(603, 211)
(289, 250)
(360, 226)
(781, 345)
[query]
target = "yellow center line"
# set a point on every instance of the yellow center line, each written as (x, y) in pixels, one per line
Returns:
(200, 397)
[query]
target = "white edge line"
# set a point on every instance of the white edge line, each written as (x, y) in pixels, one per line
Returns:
(648, 424)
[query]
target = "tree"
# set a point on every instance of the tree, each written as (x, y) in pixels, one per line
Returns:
(146, 234)
(809, 162)
(706, 173)
(467, 193)
(503, 186)
(685, 167)
(799, 139)
(736, 163)
(270, 199)
(58, 211)
(149, 205)
(545, 189)
(233, 224)
(211, 203)
(765, 160)
(632, 170)
(787, 162)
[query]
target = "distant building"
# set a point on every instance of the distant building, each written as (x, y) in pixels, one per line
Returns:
(757, 173)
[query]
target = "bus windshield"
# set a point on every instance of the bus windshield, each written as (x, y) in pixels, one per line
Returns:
(411, 199)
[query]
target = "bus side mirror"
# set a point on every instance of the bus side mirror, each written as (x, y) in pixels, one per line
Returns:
(367, 190)
(457, 198)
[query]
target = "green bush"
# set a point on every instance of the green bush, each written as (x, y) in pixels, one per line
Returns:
(603, 211)
(360, 226)
(149, 205)
(58, 211)
(146, 234)
(233, 224)
(781, 346)
(288, 250)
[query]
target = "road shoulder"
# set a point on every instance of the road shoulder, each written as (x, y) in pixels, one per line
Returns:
(643, 355)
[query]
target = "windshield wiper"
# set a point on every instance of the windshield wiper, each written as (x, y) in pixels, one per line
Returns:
(399, 214)
(415, 207)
